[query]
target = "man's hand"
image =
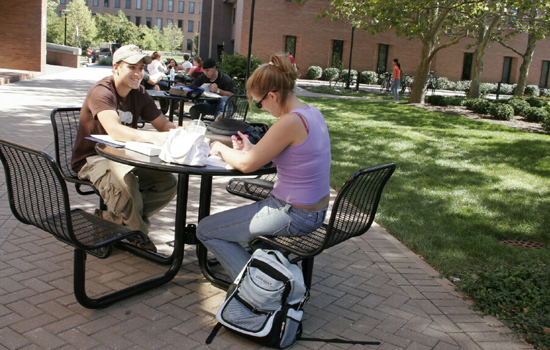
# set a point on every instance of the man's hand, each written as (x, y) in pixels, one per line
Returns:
(214, 88)
(158, 138)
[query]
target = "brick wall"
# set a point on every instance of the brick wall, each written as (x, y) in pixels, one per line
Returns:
(23, 40)
(273, 20)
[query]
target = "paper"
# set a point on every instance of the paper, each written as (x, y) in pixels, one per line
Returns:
(107, 140)
(218, 162)
(146, 148)
(211, 94)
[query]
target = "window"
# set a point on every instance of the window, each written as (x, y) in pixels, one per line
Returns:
(170, 5)
(290, 45)
(506, 70)
(148, 22)
(189, 45)
(117, 4)
(190, 26)
(382, 63)
(467, 66)
(181, 6)
(96, 3)
(149, 5)
(105, 3)
(191, 7)
(128, 4)
(544, 74)
(138, 4)
(233, 15)
(159, 23)
(337, 52)
(138, 20)
(62, 2)
(159, 5)
(168, 21)
(180, 23)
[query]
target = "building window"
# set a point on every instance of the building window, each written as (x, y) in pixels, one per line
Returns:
(544, 74)
(181, 6)
(138, 20)
(467, 66)
(128, 4)
(96, 3)
(180, 23)
(62, 2)
(170, 5)
(382, 63)
(506, 70)
(149, 5)
(290, 45)
(190, 26)
(128, 18)
(191, 7)
(159, 23)
(233, 15)
(189, 44)
(148, 22)
(138, 4)
(105, 3)
(168, 22)
(117, 4)
(337, 53)
(160, 3)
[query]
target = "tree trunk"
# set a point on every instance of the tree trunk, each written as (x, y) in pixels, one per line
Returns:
(483, 39)
(526, 64)
(418, 92)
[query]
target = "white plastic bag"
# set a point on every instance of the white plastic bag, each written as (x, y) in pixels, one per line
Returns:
(186, 148)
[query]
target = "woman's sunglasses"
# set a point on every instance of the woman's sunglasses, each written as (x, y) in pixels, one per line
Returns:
(259, 103)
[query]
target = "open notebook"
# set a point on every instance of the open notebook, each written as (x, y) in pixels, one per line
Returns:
(146, 148)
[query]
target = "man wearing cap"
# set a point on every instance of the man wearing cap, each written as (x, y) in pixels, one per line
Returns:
(112, 107)
(220, 83)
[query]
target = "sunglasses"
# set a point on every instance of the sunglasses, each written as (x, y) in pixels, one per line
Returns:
(259, 103)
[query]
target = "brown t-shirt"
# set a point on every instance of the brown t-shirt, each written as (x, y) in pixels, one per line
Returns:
(101, 97)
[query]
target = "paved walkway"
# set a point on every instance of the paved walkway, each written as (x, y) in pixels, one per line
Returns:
(369, 288)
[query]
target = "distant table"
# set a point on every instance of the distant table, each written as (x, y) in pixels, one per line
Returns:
(165, 95)
(183, 233)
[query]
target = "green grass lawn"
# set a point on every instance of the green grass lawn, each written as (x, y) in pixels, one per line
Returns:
(461, 187)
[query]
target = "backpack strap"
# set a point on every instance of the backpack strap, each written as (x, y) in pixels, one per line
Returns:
(339, 341)
(214, 332)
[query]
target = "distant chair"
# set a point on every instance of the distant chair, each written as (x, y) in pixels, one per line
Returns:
(38, 196)
(352, 215)
(236, 108)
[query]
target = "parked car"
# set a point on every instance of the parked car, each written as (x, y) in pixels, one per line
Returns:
(105, 50)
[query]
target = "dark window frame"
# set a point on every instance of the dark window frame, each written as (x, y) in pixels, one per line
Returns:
(544, 72)
(290, 44)
(338, 53)
(507, 69)
(382, 59)
(467, 65)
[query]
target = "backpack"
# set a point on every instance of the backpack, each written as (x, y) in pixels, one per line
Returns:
(265, 303)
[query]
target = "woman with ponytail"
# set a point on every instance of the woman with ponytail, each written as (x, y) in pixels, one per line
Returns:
(298, 144)
(396, 84)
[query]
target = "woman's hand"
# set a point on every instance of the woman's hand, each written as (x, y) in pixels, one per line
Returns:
(216, 147)
(241, 143)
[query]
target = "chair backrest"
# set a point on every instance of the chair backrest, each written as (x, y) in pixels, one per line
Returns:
(36, 189)
(356, 204)
(65, 127)
(236, 108)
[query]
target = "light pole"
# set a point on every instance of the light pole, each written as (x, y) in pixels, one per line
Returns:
(350, 53)
(65, 12)
(250, 42)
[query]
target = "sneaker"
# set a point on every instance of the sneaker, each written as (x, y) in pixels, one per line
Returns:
(143, 245)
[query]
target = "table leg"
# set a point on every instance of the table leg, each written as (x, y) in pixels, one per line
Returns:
(171, 110)
(180, 113)
(202, 252)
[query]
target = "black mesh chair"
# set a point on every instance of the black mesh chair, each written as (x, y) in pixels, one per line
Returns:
(38, 196)
(352, 215)
(236, 108)
(255, 188)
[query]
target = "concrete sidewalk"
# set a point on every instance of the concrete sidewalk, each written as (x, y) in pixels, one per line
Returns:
(369, 288)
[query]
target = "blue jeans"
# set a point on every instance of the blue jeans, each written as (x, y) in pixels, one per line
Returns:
(223, 233)
(206, 108)
(395, 88)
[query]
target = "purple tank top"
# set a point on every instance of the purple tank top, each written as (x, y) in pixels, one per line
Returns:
(303, 171)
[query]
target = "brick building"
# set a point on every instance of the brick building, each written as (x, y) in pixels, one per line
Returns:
(280, 25)
(184, 14)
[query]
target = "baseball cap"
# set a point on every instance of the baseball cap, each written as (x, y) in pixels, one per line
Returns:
(208, 63)
(131, 54)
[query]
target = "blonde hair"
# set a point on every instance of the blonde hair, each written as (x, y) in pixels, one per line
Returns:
(277, 75)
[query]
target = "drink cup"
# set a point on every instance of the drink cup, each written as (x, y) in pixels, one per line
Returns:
(197, 126)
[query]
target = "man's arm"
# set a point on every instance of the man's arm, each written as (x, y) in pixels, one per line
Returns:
(110, 121)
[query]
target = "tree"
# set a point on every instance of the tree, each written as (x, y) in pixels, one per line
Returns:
(108, 28)
(437, 24)
(196, 39)
(54, 24)
(145, 39)
(81, 29)
(173, 37)
(532, 18)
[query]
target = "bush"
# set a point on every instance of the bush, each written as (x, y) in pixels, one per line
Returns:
(506, 89)
(535, 114)
(536, 102)
(502, 111)
(545, 92)
(439, 100)
(478, 105)
(445, 84)
(546, 124)
(345, 73)
(314, 72)
(488, 88)
(519, 105)
(235, 65)
(463, 85)
(330, 74)
(105, 61)
(532, 90)
(369, 77)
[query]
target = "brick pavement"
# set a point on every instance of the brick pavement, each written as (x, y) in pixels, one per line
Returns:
(369, 288)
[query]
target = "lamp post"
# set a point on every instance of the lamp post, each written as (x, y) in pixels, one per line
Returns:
(65, 12)
(250, 42)
(350, 53)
